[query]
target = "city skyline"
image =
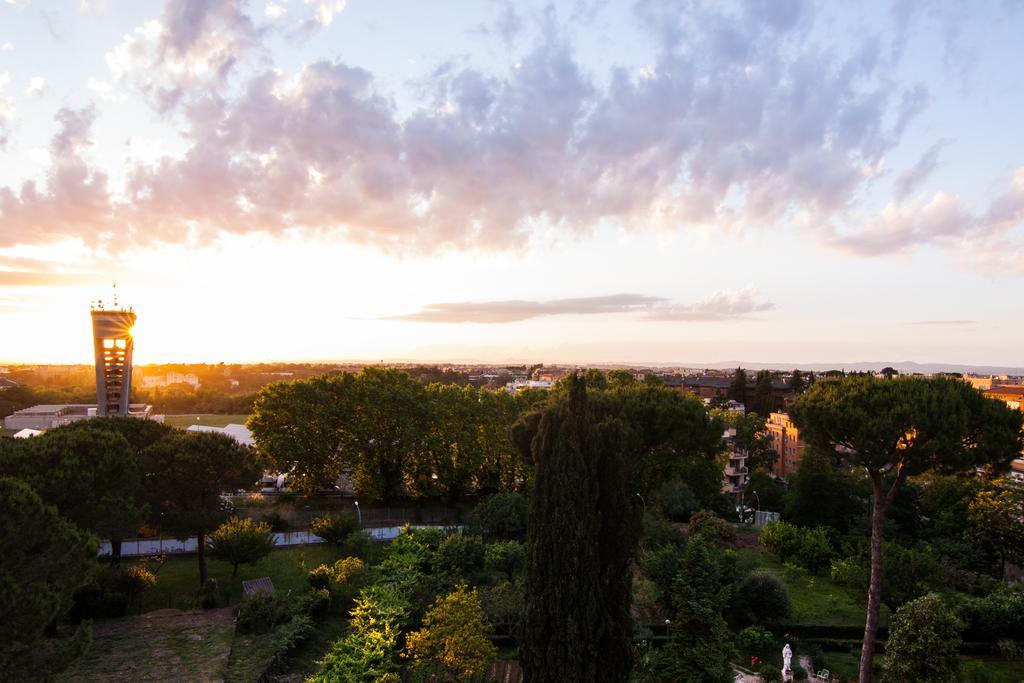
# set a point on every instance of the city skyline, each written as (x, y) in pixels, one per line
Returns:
(783, 182)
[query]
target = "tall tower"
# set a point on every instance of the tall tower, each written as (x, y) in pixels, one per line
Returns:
(112, 344)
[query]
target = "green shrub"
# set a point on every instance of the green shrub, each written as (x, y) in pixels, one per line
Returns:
(799, 673)
(460, 556)
(287, 638)
(781, 538)
(815, 550)
(505, 556)
(761, 599)
(849, 571)
(658, 531)
(320, 577)
(923, 643)
(676, 501)
(315, 603)
(661, 566)
(210, 594)
(275, 521)
(707, 523)
(261, 612)
(755, 641)
(502, 516)
(335, 528)
(1000, 614)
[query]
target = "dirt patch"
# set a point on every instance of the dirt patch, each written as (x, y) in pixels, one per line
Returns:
(165, 645)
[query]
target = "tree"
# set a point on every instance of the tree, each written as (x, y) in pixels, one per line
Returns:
(771, 493)
(335, 528)
(761, 599)
(924, 643)
(753, 439)
(996, 522)
(797, 382)
(454, 637)
(889, 372)
(92, 476)
(460, 556)
(241, 541)
(501, 516)
(897, 428)
(738, 389)
(505, 556)
(699, 649)
(185, 477)
(44, 559)
(581, 539)
(297, 427)
(764, 399)
(369, 653)
(822, 493)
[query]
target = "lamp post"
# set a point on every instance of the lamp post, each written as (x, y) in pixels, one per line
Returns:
(360, 514)
(642, 501)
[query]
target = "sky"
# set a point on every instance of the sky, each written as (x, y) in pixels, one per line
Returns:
(671, 182)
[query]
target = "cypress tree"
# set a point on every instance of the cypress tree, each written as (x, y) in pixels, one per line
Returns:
(581, 537)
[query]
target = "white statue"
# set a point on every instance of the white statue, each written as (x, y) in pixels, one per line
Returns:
(787, 659)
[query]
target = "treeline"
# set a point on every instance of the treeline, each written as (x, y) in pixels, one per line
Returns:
(396, 439)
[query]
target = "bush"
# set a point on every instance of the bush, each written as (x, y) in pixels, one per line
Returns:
(755, 641)
(999, 614)
(923, 643)
(799, 673)
(111, 592)
(460, 556)
(709, 524)
(341, 581)
(210, 594)
(261, 612)
(506, 557)
(781, 538)
(241, 541)
(275, 521)
(661, 566)
(335, 528)
(287, 638)
(315, 603)
(658, 531)
(676, 501)
(761, 599)
(502, 516)
(815, 551)
(849, 571)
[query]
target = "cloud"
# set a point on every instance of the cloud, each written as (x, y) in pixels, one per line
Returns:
(988, 237)
(7, 109)
(74, 200)
(944, 322)
(943, 218)
(20, 278)
(910, 180)
(36, 86)
(326, 10)
(192, 46)
(736, 121)
(720, 306)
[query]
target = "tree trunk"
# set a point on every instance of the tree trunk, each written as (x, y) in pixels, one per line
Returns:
(115, 552)
(201, 552)
(878, 511)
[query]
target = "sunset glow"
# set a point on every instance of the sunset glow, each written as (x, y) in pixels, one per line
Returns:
(581, 182)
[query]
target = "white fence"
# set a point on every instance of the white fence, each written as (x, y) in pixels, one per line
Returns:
(762, 517)
(171, 546)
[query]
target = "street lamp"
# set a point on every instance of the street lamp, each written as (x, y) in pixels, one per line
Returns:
(360, 513)
(642, 501)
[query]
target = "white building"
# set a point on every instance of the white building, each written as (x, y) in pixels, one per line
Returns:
(239, 433)
(50, 416)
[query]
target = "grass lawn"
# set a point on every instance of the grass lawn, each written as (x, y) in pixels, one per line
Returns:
(167, 645)
(178, 579)
(184, 421)
(815, 599)
(1009, 670)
